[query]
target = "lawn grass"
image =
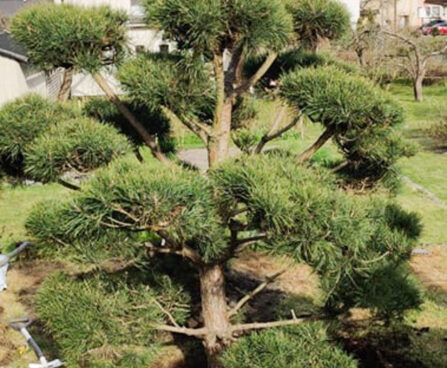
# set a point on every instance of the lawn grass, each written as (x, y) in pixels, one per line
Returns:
(15, 204)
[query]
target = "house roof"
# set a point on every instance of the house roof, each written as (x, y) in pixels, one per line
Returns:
(10, 7)
(9, 48)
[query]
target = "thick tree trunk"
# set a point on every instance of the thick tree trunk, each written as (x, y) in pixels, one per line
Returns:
(138, 126)
(214, 313)
(417, 88)
(64, 92)
(307, 154)
(219, 144)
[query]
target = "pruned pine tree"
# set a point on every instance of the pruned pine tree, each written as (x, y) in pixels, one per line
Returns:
(188, 225)
(144, 214)
(79, 39)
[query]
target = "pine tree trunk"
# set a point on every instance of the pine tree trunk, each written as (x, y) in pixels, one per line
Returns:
(65, 90)
(214, 313)
(137, 125)
(417, 88)
(219, 144)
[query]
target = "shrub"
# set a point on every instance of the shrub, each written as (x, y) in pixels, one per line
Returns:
(297, 347)
(74, 145)
(154, 121)
(439, 130)
(21, 121)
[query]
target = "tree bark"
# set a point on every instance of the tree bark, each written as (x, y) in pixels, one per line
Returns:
(417, 88)
(219, 142)
(138, 126)
(214, 313)
(307, 154)
(65, 90)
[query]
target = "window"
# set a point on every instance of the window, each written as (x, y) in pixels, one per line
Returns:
(139, 49)
(164, 48)
(436, 11)
(427, 11)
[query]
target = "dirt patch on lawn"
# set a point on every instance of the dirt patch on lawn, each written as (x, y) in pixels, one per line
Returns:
(297, 280)
(17, 301)
(431, 269)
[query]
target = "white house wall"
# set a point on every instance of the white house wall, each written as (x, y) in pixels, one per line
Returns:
(84, 85)
(115, 4)
(12, 80)
(150, 39)
(354, 9)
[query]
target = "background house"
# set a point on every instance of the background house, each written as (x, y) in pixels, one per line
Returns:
(15, 71)
(399, 14)
(18, 77)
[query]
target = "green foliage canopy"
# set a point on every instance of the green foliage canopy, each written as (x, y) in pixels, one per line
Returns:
(209, 26)
(79, 145)
(154, 121)
(105, 321)
(317, 19)
(301, 211)
(21, 121)
(70, 36)
(297, 347)
(361, 116)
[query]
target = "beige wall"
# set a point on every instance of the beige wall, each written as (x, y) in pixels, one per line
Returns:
(409, 12)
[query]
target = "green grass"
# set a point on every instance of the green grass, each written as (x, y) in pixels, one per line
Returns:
(15, 204)
(428, 167)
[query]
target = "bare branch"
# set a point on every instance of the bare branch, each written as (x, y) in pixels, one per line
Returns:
(264, 325)
(170, 316)
(273, 135)
(184, 251)
(201, 130)
(255, 292)
(197, 332)
(307, 154)
(258, 75)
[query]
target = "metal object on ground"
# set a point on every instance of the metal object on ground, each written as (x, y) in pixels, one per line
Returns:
(4, 262)
(21, 325)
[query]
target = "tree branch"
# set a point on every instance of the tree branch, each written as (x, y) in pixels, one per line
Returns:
(307, 154)
(184, 251)
(197, 128)
(197, 332)
(274, 135)
(150, 140)
(170, 316)
(255, 292)
(258, 75)
(264, 325)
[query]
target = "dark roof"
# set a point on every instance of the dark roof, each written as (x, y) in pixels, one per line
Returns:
(10, 7)
(9, 48)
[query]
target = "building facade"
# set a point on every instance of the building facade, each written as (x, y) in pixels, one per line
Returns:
(400, 14)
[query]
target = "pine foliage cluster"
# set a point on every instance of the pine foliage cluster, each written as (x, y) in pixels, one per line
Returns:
(83, 33)
(41, 140)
